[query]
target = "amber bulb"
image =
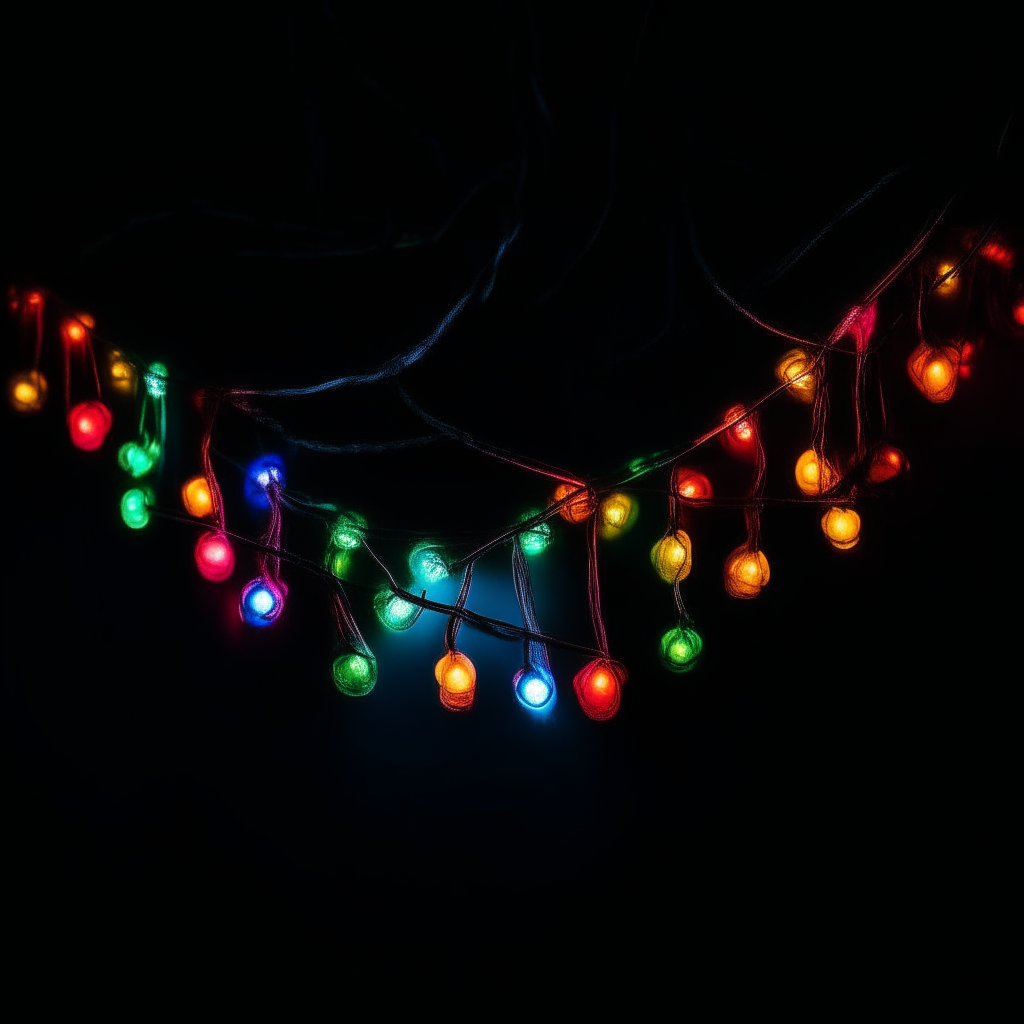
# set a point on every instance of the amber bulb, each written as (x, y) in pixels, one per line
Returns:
(933, 371)
(740, 438)
(617, 514)
(746, 572)
(950, 284)
(796, 368)
(196, 497)
(580, 508)
(813, 475)
(886, 463)
(842, 527)
(456, 676)
(122, 374)
(672, 557)
(690, 484)
(27, 391)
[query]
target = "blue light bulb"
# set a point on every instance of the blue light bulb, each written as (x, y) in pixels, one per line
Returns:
(261, 603)
(262, 473)
(534, 688)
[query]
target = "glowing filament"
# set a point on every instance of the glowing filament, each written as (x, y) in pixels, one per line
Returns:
(138, 460)
(813, 475)
(842, 527)
(197, 498)
(27, 391)
(740, 438)
(690, 484)
(679, 648)
(672, 557)
(933, 371)
(156, 380)
(456, 675)
(260, 603)
(746, 572)
(215, 558)
(428, 565)
(598, 687)
(534, 688)
(617, 514)
(579, 508)
(134, 510)
(886, 463)
(89, 423)
(354, 674)
(394, 611)
(796, 368)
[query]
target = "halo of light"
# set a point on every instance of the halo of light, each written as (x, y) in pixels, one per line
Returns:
(813, 475)
(89, 423)
(215, 558)
(796, 368)
(746, 572)
(260, 603)
(156, 380)
(197, 497)
(394, 611)
(354, 674)
(933, 371)
(427, 564)
(672, 556)
(261, 474)
(27, 391)
(690, 484)
(134, 509)
(842, 527)
(580, 508)
(617, 514)
(679, 648)
(598, 688)
(456, 677)
(534, 688)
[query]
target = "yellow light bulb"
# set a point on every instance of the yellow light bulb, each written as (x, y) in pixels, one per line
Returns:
(951, 283)
(813, 475)
(672, 557)
(796, 369)
(27, 391)
(842, 527)
(617, 514)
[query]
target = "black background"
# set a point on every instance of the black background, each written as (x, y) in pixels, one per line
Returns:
(274, 196)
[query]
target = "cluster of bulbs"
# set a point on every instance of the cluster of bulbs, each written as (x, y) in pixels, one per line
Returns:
(933, 369)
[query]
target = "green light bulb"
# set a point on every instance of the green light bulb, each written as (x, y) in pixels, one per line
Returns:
(537, 538)
(395, 612)
(338, 561)
(138, 460)
(133, 507)
(347, 531)
(156, 380)
(355, 674)
(680, 648)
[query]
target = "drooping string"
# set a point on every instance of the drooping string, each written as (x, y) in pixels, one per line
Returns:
(594, 589)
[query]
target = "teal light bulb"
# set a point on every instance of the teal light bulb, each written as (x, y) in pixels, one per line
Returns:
(133, 507)
(156, 380)
(394, 611)
(428, 565)
(354, 674)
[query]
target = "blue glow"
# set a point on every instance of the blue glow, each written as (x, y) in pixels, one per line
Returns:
(267, 469)
(534, 688)
(260, 603)
(428, 565)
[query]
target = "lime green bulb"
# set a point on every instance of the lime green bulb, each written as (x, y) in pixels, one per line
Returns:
(137, 459)
(338, 561)
(355, 674)
(680, 648)
(134, 510)
(156, 380)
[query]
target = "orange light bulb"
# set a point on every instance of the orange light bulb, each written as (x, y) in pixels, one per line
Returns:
(580, 508)
(690, 484)
(950, 284)
(933, 371)
(796, 368)
(27, 391)
(746, 572)
(813, 475)
(886, 463)
(122, 374)
(196, 497)
(456, 676)
(842, 527)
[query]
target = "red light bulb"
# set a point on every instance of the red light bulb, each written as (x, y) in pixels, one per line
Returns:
(598, 687)
(215, 558)
(89, 423)
(740, 439)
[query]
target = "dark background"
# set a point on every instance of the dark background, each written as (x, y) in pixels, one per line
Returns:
(274, 196)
